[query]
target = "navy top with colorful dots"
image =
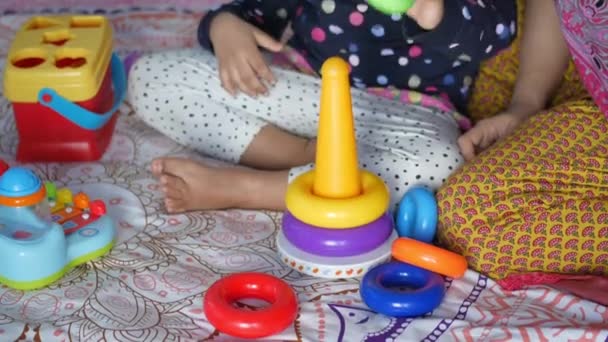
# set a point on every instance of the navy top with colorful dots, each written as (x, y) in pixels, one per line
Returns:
(387, 50)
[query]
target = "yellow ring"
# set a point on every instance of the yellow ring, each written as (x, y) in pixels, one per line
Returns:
(337, 213)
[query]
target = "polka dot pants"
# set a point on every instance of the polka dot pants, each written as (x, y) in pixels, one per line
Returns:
(179, 94)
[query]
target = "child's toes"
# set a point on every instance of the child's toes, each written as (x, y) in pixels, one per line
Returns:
(172, 192)
(173, 183)
(173, 205)
(157, 167)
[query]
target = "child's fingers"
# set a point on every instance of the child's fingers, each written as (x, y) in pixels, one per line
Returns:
(467, 143)
(262, 70)
(266, 41)
(248, 81)
(486, 140)
(227, 83)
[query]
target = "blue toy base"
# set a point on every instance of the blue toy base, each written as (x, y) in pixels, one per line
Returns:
(47, 254)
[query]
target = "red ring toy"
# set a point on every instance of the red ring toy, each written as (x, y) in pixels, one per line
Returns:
(220, 297)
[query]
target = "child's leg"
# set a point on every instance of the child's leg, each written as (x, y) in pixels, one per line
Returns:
(406, 145)
(179, 94)
(420, 152)
(190, 185)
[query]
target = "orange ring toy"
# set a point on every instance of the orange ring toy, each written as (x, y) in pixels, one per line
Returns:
(429, 257)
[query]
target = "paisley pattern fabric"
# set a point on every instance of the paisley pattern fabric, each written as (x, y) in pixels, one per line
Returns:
(536, 201)
(585, 28)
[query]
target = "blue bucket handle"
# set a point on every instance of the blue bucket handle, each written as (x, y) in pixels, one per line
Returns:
(83, 117)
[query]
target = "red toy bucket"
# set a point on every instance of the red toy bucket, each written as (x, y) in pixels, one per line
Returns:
(56, 130)
(65, 85)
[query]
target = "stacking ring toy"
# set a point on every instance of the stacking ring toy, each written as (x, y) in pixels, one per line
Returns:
(219, 309)
(337, 213)
(332, 267)
(337, 243)
(417, 215)
(427, 293)
(429, 257)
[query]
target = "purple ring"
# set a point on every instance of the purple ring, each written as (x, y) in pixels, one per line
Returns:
(337, 242)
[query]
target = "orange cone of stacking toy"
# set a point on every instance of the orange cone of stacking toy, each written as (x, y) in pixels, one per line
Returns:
(337, 168)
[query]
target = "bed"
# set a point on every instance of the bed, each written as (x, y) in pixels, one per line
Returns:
(150, 286)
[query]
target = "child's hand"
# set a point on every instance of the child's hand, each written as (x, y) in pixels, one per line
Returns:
(488, 131)
(427, 13)
(241, 64)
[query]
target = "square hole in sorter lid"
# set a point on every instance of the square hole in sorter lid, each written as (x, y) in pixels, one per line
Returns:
(86, 21)
(37, 23)
(57, 37)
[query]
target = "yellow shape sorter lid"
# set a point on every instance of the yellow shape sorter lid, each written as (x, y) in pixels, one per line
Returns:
(69, 54)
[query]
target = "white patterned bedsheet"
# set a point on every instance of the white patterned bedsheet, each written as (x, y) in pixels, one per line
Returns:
(150, 286)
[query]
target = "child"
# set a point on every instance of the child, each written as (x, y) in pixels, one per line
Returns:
(238, 109)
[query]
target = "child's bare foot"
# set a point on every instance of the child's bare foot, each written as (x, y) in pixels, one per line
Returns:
(190, 185)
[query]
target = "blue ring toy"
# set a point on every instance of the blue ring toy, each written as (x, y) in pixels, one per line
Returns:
(417, 215)
(427, 294)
